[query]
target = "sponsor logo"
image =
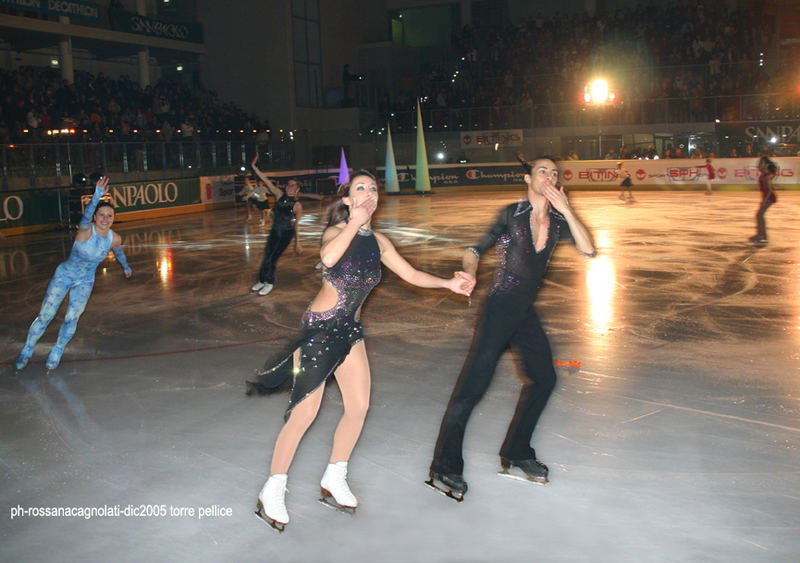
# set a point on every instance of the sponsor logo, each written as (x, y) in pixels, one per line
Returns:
(748, 172)
(12, 209)
(144, 194)
(683, 173)
(509, 137)
(498, 138)
(784, 132)
(722, 173)
(567, 175)
(163, 29)
(640, 174)
(598, 175)
(507, 177)
(444, 179)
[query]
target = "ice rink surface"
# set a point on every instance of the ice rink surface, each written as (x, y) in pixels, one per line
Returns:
(678, 439)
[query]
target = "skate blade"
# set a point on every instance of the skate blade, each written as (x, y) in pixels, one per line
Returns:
(274, 524)
(330, 502)
(525, 478)
(443, 490)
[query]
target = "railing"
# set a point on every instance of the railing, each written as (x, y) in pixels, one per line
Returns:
(55, 163)
(33, 165)
(754, 107)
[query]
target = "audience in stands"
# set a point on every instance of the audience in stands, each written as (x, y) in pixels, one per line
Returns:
(688, 61)
(99, 108)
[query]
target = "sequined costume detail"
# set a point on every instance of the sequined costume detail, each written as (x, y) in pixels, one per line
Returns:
(329, 335)
(519, 264)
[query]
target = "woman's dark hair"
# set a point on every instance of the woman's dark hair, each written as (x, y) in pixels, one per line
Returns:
(338, 212)
(103, 204)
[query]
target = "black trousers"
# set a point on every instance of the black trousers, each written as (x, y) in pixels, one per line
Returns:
(279, 239)
(506, 319)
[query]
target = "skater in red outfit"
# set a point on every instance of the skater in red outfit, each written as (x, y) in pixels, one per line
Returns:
(768, 197)
(710, 175)
(525, 234)
(332, 344)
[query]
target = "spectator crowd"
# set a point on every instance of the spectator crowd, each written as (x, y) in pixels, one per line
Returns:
(35, 100)
(707, 59)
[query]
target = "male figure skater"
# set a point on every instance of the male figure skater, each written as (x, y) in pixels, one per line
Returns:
(526, 233)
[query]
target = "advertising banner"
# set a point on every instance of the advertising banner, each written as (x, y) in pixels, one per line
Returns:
(483, 139)
(676, 173)
(154, 195)
(69, 8)
(30, 207)
(129, 22)
(217, 189)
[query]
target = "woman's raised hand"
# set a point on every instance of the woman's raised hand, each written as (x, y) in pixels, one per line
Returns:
(362, 212)
(103, 183)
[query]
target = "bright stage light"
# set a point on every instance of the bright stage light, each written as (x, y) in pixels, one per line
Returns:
(597, 92)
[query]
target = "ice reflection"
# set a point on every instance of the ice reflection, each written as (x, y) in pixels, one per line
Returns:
(164, 267)
(601, 283)
(796, 291)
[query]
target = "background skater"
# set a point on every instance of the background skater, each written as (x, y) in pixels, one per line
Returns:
(768, 197)
(285, 218)
(710, 175)
(626, 182)
(526, 233)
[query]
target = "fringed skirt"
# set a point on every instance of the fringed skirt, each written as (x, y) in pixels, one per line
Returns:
(322, 346)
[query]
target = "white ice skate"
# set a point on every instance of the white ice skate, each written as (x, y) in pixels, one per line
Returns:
(271, 507)
(335, 492)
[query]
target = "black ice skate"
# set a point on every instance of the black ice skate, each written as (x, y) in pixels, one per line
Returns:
(279, 526)
(256, 388)
(524, 470)
(449, 484)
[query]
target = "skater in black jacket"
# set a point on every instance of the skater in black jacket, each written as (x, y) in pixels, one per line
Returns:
(526, 233)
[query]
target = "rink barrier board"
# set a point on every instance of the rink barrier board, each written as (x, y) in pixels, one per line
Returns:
(25, 211)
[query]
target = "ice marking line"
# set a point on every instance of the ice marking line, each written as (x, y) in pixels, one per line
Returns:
(710, 413)
(641, 417)
(758, 545)
(175, 352)
(601, 374)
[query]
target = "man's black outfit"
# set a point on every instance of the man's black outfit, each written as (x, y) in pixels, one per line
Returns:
(507, 317)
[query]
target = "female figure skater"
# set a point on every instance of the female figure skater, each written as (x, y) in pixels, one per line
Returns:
(768, 197)
(626, 182)
(332, 344)
(285, 218)
(76, 276)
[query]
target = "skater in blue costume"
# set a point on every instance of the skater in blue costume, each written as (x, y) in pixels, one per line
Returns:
(76, 276)
(332, 344)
